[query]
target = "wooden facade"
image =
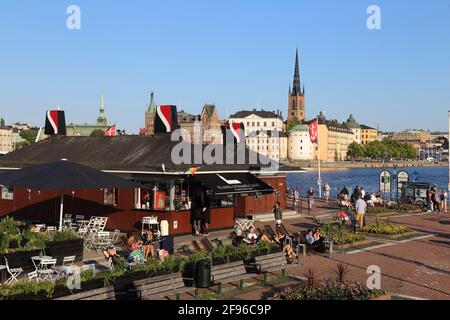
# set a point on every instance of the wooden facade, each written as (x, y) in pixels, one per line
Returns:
(43, 206)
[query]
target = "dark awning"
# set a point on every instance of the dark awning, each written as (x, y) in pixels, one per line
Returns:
(242, 184)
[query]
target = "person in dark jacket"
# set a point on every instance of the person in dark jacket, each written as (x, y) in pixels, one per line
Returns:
(196, 213)
(278, 213)
(205, 218)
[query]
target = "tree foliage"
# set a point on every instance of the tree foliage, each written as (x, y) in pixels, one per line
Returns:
(386, 149)
(29, 135)
(2, 123)
(292, 123)
(97, 133)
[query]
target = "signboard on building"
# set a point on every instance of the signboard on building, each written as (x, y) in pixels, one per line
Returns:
(402, 178)
(385, 181)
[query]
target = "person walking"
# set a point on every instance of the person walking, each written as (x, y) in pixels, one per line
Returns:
(360, 210)
(444, 200)
(197, 209)
(310, 195)
(429, 200)
(205, 219)
(278, 213)
(326, 192)
(297, 200)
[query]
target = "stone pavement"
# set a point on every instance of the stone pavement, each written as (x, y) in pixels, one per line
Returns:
(418, 268)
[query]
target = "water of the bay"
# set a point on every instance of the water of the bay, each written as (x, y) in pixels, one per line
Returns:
(367, 178)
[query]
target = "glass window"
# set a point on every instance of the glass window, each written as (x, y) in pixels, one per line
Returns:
(111, 197)
(7, 192)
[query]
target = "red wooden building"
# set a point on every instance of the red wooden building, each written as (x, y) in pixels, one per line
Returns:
(235, 190)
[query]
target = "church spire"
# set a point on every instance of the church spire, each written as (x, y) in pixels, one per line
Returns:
(101, 115)
(151, 106)
(297, 87)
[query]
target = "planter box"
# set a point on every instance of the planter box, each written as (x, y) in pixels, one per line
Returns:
(20, 259)
(61, 249)
(389, 236)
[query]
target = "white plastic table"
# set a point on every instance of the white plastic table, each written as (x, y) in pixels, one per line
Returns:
(83, 223)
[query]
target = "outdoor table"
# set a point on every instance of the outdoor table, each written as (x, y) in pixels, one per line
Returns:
(243, 224)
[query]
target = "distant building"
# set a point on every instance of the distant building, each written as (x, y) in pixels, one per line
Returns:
(416, 137)
(368, 134)
(264, 131)
(355, 127)
(296, 106)
(272, 144)
(204, 128)
(334, 139)
(6, 143)
(259, 120)
(299, 144)
(149, 128)
(85, 130)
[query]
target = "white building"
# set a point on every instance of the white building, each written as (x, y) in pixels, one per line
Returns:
(299, 144)
(272, 144)
(259, 120)
(6, 143)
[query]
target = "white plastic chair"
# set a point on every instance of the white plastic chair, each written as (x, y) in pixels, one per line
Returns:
(13, 272)
(46, 270)
(79, 217)
(115, 235)
(51, 229)
(33, 276)
(67, 263)
(68, 216)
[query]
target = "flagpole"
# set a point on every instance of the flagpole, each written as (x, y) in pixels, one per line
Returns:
(319, 179)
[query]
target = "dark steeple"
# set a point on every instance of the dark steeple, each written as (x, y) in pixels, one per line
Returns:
(297, 87)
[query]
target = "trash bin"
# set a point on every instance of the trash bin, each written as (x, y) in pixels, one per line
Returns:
(164, 228)
(202, 276)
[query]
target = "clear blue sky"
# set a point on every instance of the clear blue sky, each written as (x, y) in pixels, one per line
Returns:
(236, 54)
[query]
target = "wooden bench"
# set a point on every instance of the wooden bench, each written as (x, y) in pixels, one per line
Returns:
(159, 287)
(196, 245)
(271, 263)
(325, 219)
(106, 293)
(207, 245)
(228, 273)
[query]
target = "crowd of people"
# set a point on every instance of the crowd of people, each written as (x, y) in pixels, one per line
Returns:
(437, 202)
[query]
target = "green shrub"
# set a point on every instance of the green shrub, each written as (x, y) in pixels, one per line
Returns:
(27, 287)
(65, 235)
(340, 235)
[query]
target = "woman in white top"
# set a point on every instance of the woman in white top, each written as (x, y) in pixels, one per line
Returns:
(252, 237)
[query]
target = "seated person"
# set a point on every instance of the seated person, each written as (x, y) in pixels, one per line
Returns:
(115, 260)
(163, 254)
(265, 238)
(252, 237)
(379, 198)
(290, 253)
(279, 238)
(148, 247)
(239, 238)
(136, 254)
(315, 240)
(371, 202)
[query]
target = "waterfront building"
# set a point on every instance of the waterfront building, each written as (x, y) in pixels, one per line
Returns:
(296, 96)
(355, 127)
(416, 137)
(368, 134)
(86, 129)
(272, 144)
(299, 144)
(334, 139)
(6, 142)
(264, 132)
